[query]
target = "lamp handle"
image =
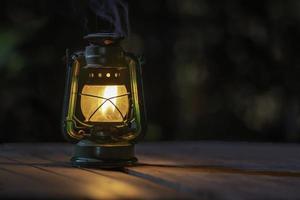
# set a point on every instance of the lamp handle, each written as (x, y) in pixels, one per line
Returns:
(139, 62)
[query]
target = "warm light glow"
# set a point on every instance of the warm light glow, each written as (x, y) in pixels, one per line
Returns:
(109, 91)
(104, 103)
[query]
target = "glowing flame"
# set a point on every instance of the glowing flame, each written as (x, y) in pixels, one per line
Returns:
(90, 104)
(109, 91)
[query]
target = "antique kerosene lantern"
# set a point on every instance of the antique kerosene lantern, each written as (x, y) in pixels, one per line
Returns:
(104, 105)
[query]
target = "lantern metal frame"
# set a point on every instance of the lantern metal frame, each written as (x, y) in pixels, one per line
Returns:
(93, 149)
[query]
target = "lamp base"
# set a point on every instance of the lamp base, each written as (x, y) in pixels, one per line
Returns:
(91, 154)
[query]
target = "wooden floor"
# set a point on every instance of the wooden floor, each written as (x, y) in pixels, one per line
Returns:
(173, 170)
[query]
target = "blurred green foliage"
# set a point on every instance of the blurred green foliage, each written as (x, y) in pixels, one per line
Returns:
(225, 70)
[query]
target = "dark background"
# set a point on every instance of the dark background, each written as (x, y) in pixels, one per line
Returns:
(221, 70)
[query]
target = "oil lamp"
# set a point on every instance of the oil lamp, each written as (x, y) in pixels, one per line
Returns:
(104, 106)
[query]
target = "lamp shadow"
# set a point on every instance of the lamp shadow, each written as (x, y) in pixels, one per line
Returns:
(222, 169)
(190, 168)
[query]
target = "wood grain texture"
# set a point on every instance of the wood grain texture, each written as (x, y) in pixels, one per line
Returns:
(241, 155)
(184, 170)
(46, 170)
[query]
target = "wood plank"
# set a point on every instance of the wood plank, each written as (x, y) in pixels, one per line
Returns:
(53, 160)
(218, 170)
(207, 170)
(26, 181)
(17, 183)
(218, 184)
(238, 155)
